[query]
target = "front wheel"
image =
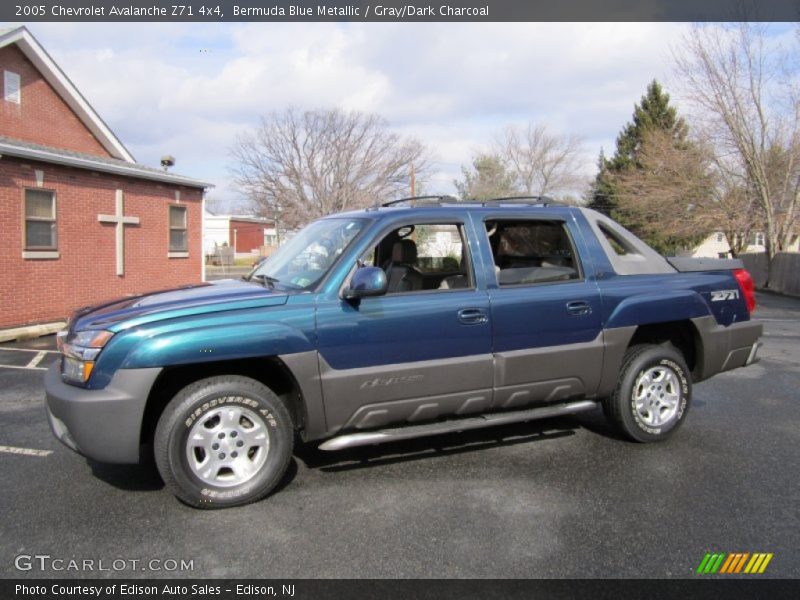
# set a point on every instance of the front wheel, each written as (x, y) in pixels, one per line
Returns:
(653, 393)
(223, 441)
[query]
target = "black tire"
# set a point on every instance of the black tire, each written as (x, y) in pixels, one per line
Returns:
(254, 429)
(663, 398)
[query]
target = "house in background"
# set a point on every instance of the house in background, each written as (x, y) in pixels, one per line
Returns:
(247, 235)
(81, 221)
(716, 246)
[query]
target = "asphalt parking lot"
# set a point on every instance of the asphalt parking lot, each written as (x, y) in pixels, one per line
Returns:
(556, 498)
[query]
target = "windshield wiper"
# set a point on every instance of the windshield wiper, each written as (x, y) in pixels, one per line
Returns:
(265, 280)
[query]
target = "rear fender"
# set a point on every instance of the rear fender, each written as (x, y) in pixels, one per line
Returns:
(644, 309)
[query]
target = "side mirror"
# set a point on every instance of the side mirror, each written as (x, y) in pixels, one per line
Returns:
(367, 281)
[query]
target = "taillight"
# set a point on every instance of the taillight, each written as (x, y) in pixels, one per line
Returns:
(747, 287)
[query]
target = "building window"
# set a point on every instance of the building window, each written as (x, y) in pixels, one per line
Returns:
(720, 237)
(40, 220)
(177, 229)
(11, 87)
(758, 239)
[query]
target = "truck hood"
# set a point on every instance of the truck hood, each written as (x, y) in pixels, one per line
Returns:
(224, 295)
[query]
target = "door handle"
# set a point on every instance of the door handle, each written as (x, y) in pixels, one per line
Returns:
(579, 307)
(472, 316)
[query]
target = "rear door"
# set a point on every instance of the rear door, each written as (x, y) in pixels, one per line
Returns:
(546, 315)
(411, 355)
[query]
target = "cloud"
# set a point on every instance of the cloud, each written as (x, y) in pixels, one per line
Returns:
(188, 89)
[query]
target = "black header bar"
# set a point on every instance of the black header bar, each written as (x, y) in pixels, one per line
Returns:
(210, 11)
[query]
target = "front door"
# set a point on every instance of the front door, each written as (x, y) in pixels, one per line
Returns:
(421, 351)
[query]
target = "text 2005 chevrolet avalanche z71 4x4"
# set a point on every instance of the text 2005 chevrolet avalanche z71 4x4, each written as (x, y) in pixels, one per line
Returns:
(413, 318)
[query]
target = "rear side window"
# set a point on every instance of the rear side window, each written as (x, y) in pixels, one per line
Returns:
(531, 252)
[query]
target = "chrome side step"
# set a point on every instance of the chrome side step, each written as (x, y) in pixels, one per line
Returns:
(394, 434)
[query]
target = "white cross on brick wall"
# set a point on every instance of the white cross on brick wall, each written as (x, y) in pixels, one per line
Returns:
(121, 220)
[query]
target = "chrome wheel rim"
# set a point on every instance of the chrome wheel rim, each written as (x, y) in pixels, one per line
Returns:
(227, 446)
(657, 396)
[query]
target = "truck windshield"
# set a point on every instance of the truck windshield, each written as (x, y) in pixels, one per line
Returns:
(303, 260)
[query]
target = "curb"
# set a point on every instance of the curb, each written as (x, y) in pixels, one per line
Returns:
(31, 331)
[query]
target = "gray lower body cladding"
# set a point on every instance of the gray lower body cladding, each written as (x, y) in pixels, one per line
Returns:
(105, 424)
(725, 348)
(411, 393)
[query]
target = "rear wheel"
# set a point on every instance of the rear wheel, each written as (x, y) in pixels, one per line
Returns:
(653, 393)
(223, 441)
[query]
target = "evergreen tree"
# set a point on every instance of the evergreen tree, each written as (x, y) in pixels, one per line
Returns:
(488, 178)
(654, 112)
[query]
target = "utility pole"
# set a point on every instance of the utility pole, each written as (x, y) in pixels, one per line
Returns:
(413, 181)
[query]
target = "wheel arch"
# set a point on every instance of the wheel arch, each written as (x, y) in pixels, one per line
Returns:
(682, 334)
(272, 371)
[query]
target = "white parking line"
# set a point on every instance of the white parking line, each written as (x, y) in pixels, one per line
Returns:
(25, 451)
(36, 359)
(32, 363)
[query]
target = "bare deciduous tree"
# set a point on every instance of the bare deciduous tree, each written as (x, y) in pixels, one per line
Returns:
(751, 103)
(670, 199)
(734, 209)
(303, 165)
(544, 163)
(683, 192)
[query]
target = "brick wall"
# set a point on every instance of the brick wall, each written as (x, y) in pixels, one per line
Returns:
(35, 290)
(249, 236)
(42, 117)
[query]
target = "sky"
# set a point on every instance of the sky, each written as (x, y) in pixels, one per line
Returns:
(189, 89)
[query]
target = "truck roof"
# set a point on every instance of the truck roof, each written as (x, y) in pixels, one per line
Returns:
(433, 204)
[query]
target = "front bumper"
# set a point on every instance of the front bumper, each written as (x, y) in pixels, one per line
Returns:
(105, 424)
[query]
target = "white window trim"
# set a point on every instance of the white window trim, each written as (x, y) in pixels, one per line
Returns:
(177, 255)
(40, 254)
(16, 97)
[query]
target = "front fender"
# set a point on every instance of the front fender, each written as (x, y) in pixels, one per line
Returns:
(220, 336)
(214, 343)
(644, 309)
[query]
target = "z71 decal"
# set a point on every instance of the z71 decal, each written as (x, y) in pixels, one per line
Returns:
(721, 295)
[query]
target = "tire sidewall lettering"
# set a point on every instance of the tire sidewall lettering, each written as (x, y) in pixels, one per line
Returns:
(247, 401)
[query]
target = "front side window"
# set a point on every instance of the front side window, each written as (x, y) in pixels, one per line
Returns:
(178, 241)
(40, 220)
(529, 252)
(420, 257)
(305, 259)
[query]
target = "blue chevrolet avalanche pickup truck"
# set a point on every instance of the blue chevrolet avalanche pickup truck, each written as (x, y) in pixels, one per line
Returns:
(413, 318)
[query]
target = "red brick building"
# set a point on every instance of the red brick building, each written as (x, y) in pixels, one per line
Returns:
(81, 221)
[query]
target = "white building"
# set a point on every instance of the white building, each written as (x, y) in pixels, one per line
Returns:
(716, 246)
(246, 234)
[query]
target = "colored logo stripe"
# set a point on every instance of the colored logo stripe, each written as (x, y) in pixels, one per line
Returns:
(734, 562)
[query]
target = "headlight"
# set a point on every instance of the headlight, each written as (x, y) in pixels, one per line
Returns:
(80, 352)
